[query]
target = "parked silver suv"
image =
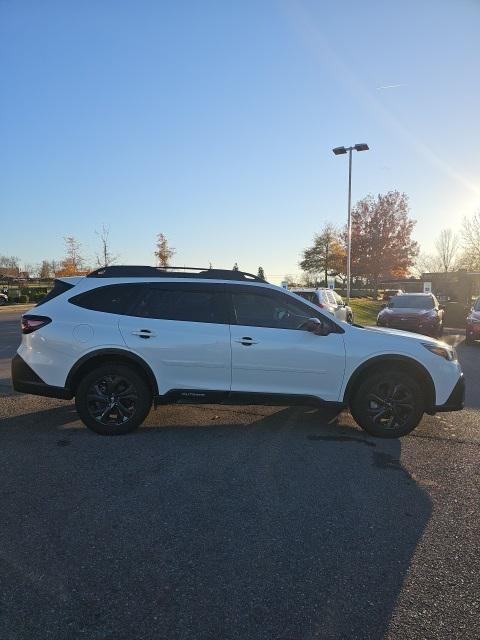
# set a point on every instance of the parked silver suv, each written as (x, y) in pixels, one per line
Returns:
(327, 299)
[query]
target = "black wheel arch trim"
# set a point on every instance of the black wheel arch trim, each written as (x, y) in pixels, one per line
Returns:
(111, 351)
(375, 360)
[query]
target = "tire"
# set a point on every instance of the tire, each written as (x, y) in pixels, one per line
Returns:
(2, 301)
(350, 318)
(100, 387)
(391, 418)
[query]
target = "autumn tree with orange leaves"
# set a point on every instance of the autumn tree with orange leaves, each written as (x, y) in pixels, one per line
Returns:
(382, 244)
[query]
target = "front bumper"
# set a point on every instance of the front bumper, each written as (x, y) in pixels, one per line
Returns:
(25, 380)
(413, 326)
(456, 400)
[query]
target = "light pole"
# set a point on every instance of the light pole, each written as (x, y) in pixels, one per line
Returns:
(338, 151)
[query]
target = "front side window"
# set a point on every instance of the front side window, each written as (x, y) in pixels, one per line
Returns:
(269, 309)
(183, 303)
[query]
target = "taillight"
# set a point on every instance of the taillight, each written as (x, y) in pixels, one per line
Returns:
(32, 323)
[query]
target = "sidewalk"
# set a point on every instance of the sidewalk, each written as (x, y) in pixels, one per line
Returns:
(17, 307)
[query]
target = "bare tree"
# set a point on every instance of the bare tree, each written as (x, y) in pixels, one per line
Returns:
(45, 270)
(426, 263)
(163, 253)
(470, 233)
(447, 248)
(9, 266)
(105, 257)
(54, 268)
(73, 262)
(30, 270)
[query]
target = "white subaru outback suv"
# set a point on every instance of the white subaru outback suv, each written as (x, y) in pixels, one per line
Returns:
(123, 338)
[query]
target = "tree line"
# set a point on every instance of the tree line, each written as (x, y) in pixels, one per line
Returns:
(74, 261)
(382, 246)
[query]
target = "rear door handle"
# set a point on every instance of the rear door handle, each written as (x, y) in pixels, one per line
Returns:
(246, 341)
(144, 333)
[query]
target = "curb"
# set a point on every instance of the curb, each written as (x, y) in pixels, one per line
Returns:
(16, 307)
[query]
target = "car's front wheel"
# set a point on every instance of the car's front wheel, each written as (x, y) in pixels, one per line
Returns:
(113, 399)
(388, 404)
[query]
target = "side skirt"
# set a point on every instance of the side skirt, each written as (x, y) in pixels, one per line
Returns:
(200, 396)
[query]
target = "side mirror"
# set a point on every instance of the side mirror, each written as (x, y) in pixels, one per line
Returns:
(316, 326)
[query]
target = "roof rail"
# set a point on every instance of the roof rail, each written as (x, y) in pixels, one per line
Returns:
(136, 271)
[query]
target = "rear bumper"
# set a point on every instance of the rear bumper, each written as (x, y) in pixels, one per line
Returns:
(25, 380)
(473, 330)
(456, 400)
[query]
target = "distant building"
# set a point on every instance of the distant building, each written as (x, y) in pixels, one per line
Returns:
(456, 286)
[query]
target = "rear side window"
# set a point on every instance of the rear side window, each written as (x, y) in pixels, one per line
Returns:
(59, 287)
(115, 298)
(330, 297)
(183, 303)
(311, 296)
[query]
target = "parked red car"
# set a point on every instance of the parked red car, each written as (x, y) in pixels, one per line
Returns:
(417, 312)
(472, 331)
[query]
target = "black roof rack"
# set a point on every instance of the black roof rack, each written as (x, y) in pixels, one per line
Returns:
(135, 271)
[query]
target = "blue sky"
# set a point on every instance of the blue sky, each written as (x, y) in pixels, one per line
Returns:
(213, 122)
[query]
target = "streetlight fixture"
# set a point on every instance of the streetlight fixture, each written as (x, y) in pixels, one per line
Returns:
(339, 151)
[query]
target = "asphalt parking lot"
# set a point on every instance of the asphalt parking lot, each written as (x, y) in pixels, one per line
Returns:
(236, 522)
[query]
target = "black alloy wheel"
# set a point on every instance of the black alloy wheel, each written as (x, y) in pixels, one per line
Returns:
(388, 404)
(113, 399)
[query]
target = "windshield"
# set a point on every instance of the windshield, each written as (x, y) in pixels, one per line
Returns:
(411, 302)
(477, 305)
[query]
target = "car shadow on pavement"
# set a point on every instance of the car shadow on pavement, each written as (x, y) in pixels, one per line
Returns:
(276, 527)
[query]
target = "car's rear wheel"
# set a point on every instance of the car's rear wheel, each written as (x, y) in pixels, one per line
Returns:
(113, 399)
(388, 404)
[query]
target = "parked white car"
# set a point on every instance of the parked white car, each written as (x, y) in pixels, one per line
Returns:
(326, 299)
(123, 338)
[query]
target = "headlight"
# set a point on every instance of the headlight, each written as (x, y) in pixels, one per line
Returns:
(446, 352)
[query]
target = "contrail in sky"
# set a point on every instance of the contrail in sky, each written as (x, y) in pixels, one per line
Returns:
(391, 86)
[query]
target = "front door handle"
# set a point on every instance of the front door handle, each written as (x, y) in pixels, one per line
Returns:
(246, 341)
(144, 333)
